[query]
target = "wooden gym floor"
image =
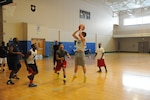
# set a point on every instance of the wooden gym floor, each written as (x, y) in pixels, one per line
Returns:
(128, 78)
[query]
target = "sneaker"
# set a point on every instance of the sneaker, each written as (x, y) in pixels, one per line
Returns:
(9, 82)
(85, 78)
(74, 77)
(99, 71)
(64, 80)
(32, 85)
(15, 77)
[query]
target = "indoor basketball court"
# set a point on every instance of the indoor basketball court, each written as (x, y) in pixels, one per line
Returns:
(127, 79)
(121, 27)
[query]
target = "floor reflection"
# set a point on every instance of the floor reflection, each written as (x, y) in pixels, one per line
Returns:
(136, 81)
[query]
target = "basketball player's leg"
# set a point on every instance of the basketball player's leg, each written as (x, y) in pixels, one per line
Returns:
(18, 66)
(64, 74)
(99, 69)
(82, 63)
(12, 69)
(4, 63)
(32, 70)
(105, 66)
(54, 61)
(64, 64)
(105, 69)
(84, 71)
(1, 63)
(58, 68)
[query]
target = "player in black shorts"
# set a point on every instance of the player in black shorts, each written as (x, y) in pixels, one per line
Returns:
(13, 60)
(31, 64)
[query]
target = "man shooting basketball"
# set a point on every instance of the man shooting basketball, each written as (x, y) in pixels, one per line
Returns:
(79, 35)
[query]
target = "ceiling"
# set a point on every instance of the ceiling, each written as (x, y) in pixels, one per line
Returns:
(121, 5)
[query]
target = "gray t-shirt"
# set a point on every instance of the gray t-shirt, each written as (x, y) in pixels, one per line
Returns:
(61, 53)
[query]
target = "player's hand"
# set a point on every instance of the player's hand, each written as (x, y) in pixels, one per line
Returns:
(62, 58)
(19, 53)
(69, 56)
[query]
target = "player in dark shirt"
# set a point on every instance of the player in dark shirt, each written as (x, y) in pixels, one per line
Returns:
(3, 55)
(61, 62)
(13, 60)
(55, 48)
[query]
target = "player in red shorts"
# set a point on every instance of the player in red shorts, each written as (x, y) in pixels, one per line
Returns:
(100, 57)
(61, 62)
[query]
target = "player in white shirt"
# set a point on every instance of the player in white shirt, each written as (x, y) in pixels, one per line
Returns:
(99, 55)
(31, 64)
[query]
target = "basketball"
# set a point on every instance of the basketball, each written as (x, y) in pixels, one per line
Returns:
(81, 26)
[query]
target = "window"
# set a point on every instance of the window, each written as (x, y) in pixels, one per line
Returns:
(85, 14)
(137, 21)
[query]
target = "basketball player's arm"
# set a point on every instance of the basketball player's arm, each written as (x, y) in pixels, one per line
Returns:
(74, 34)
(35, 58)
(95, 55)
(11, 48)
(81, 36)
(102, 55)
(25, 59)
(58, 58)
(67, 54)
(28, 54)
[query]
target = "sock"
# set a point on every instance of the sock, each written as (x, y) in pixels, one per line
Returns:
(31, 81)
(99, 68)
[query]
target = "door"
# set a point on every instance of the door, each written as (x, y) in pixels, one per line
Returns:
(40, 43)
(143, 47)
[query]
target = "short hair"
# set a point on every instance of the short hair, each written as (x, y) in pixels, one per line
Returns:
(84, 34)
(14, 39)
(60, 44)
(3, 42)
(32, 45)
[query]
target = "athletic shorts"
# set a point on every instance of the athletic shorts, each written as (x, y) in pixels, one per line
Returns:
(79, 59)
(60, 65)
(100, 62)
(3, 60)
(14, 66)
(32, 69)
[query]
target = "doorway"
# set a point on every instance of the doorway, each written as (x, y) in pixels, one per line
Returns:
(143, 47)
(40, 43)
